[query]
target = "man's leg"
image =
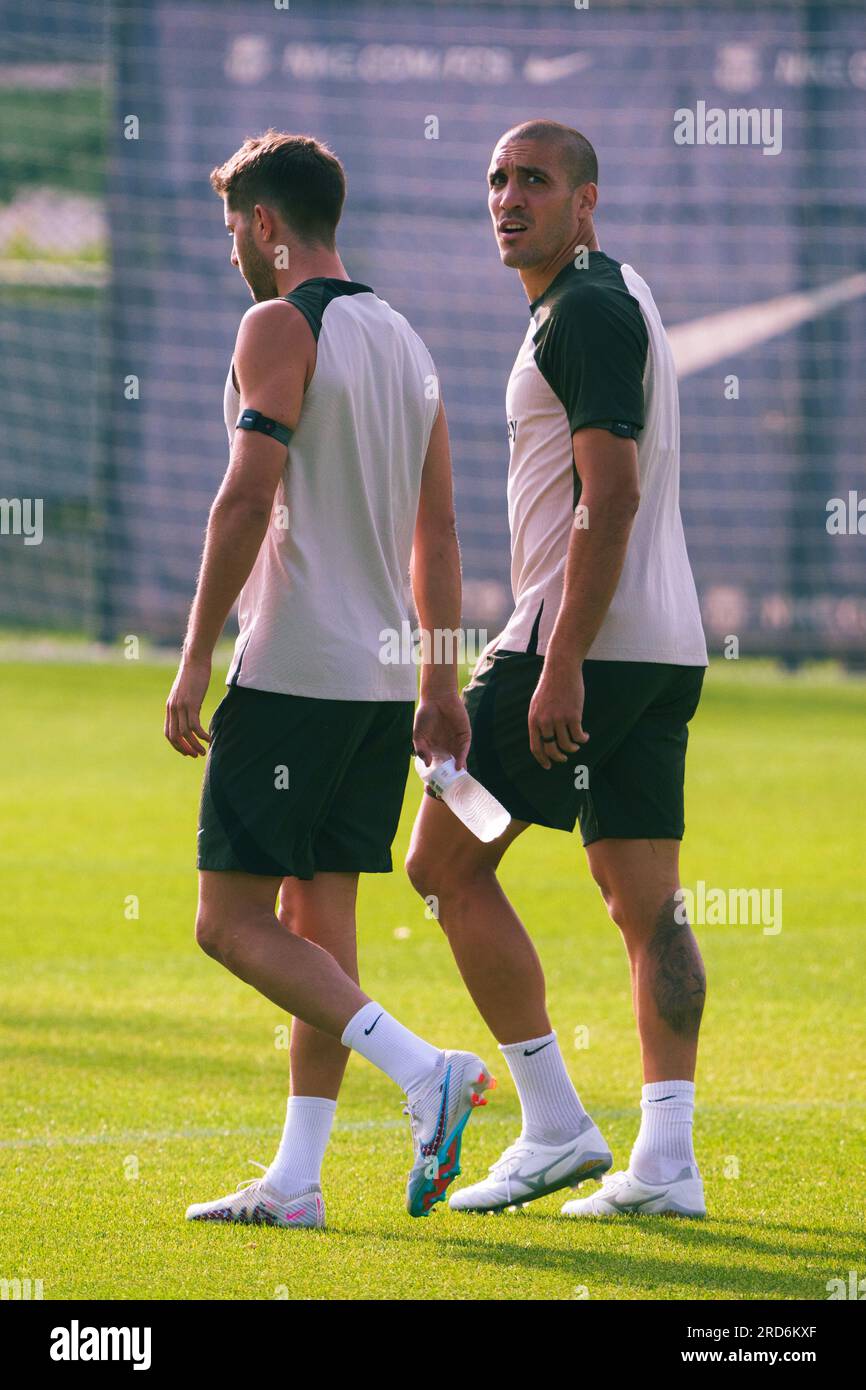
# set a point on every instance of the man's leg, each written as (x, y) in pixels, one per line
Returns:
(558, 1145)
(638, 880)
(237, 925)
(494, 954)
(322, 910)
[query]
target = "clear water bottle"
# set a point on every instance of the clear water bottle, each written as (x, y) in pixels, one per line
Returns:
(471, 803)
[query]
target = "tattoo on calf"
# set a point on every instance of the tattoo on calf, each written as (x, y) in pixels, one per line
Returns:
(678, 980)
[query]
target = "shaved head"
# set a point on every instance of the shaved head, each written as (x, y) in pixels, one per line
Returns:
(541, 195)
(577, 154)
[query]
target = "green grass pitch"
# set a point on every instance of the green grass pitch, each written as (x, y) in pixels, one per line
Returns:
(139, 1076)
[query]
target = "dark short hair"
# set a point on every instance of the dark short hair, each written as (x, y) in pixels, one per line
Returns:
(296, 174)
(579, 157)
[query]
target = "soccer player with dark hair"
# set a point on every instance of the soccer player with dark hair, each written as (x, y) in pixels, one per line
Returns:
(580, 707)
(339, 478)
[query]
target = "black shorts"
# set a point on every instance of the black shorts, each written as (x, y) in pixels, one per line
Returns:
(636, 714)
(295, 786)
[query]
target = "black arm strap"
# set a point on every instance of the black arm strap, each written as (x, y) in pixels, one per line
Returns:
(254, 420)
(624, 428)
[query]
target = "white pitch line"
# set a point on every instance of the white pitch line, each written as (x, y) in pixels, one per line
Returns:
(160, 1136)
(157, 1136)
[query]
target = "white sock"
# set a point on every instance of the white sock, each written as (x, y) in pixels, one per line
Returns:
(552, 1112)
(400, 1054)
(298, 1163)
(664, 1147)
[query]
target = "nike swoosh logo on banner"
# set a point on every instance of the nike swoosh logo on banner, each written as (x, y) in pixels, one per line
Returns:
(531, 1051)
(368, 1031)
(554, 69)
(708, 340)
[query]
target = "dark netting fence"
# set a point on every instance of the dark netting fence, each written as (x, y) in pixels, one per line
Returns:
(118, 306)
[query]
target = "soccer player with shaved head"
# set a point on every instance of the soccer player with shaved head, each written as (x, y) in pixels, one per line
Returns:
(580, 707)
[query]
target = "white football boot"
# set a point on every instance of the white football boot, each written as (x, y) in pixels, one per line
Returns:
(621, 1193)
(438, 1111)
(526, 1171)
(255, 1204)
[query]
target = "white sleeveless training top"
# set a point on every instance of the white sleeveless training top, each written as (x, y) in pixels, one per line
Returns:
(330, 585)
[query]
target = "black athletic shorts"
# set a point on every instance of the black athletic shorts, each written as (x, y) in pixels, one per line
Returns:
(295, 786)
(636, 714)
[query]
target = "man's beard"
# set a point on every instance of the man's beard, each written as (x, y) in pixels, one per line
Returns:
(258, 273)
(546, 248)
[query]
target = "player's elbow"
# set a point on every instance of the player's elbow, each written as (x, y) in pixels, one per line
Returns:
(243, 506)
(435, 531)
(627, 502)
(615, 510)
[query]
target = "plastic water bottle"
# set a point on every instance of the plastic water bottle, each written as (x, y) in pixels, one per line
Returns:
(471, 803)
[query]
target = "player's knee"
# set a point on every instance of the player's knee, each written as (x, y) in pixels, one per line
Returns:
(612, 901)
(616, 910)
(209, 933)
(448, 884)
(420, 871)
(434, 876)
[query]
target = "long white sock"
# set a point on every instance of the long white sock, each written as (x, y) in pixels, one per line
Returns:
(552, 1112)
(396, 1051)
(664, 1145)
(298, 1162)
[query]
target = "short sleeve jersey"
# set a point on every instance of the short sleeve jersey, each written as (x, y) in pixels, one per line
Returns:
(596, 355)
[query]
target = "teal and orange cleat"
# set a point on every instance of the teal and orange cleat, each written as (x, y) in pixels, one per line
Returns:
(438, 1112)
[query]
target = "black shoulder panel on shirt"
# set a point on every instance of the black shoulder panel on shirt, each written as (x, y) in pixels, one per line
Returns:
(591, 346)
(312, 297)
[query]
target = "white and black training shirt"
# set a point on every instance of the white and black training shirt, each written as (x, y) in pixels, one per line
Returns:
(596, 353)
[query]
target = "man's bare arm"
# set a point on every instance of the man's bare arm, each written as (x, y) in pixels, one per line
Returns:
(273, 360)
(610, 493)
(441, 723)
